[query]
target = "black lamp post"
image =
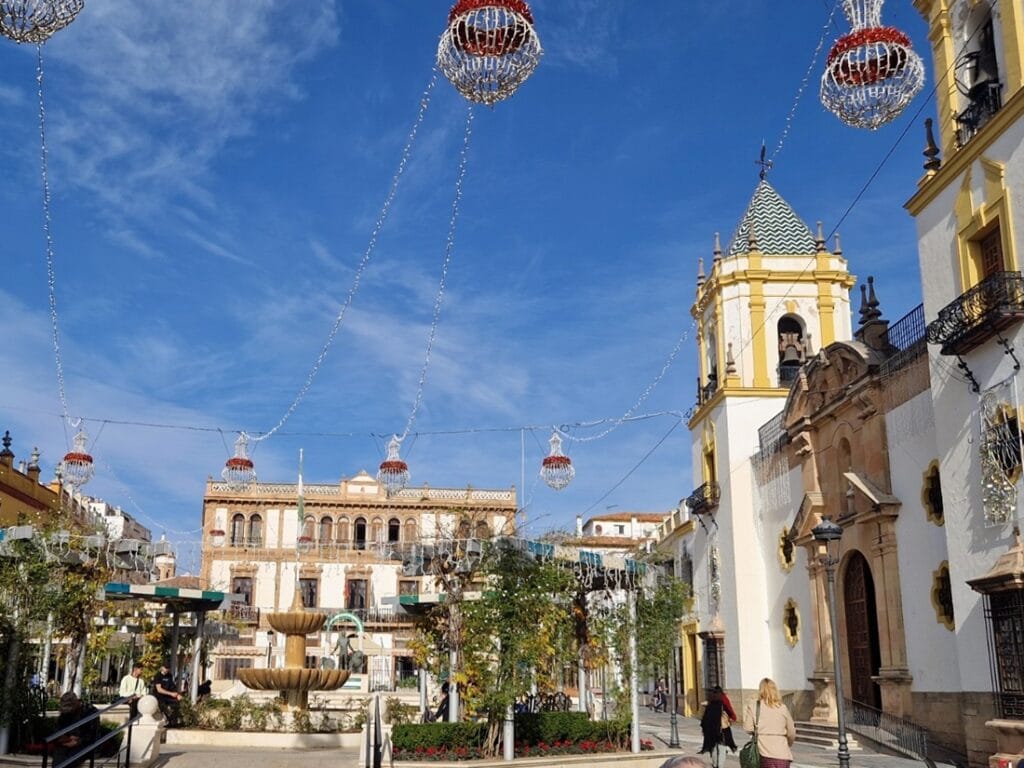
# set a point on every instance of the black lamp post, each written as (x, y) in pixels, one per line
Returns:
(270, 646)
(825, 533)
(673, 720)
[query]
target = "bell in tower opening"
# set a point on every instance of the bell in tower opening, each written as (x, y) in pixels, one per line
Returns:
(793, 349)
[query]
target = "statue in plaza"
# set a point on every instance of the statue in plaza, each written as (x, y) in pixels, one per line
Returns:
(348, 658)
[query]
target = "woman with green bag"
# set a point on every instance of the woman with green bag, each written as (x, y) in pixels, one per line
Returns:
(772, 725)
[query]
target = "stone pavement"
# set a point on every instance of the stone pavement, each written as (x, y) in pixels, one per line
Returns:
(656, 726)
(653, 726)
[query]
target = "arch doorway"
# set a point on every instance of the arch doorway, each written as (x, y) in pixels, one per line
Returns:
(862, 646)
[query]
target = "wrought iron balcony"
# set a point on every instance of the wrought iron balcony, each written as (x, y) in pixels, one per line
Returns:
(984, 310)
(705, 391)
(704, 500)
(986, 99)
(244, 613)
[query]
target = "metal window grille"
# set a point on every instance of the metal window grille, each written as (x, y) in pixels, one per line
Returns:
(1005, 614)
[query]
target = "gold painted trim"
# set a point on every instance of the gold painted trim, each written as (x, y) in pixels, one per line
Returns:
(808, 277)
(949, 622)
(787, 566)
(958, 161)
(938, 518)
(792, 634)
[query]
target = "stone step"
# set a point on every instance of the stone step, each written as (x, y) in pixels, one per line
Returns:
(824, 736)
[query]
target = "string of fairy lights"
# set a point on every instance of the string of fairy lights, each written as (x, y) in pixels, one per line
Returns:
(488, 49)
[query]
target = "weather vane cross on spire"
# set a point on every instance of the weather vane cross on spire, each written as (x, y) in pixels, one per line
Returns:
(766, 165)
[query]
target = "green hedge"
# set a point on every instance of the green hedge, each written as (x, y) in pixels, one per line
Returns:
(540, 727)
(409, 736)
(549, 727)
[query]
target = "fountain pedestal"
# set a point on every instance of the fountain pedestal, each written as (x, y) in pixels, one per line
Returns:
(295, 679)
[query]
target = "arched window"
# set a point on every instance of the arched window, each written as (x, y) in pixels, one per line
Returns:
(308, 527)
(792, 348)
(343, 531)
(977, 73)
(483, 530)
(377, 530)
(238, 530)
(360, 533)
(326, 530)
(710, 385)
(845, 464)
(464, 529)
(410, 529)
(394, 529)
(256, 531)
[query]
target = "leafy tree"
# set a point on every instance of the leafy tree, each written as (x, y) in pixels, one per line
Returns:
(514, 629)
(658, 612)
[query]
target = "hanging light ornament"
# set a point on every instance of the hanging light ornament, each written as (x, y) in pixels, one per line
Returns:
(871, 74)
(393, 473)
(239, 472)
(33, 21)
(77, 466)
(557, 469)
(489, 48)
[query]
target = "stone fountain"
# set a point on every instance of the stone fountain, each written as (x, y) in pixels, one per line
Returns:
(294, 678)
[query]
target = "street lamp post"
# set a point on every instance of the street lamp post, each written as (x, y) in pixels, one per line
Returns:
(825, 533)
(270, 646)
(673, 720)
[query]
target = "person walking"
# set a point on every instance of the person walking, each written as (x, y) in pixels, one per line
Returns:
(133, 688)
(776, 730)
(714, 725)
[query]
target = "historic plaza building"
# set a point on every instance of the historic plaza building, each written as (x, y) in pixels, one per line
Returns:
(352, 550)
(905, 434)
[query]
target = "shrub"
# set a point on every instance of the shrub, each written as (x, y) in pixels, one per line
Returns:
(422, 736)
(549, 727)
(399, 712)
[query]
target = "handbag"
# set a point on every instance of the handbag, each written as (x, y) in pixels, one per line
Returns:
(726, 722)
(750, 755)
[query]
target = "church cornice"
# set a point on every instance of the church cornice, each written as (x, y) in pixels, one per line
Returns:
(957, 163)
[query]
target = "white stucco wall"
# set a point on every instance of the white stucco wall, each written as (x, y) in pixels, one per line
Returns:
(972, 545)
(922, 545)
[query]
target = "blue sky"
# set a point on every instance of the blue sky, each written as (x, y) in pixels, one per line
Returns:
(217, 169)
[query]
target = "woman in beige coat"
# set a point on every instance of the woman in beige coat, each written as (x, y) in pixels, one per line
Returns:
(775, 728)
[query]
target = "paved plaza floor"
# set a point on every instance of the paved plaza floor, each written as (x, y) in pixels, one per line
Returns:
(654, 726)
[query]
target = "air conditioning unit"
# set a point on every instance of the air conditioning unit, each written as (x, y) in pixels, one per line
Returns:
(20, 532)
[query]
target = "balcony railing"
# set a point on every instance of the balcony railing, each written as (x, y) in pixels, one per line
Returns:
(244, 613)
(984, 310)
(704, 499)
(382, 614)
(706, 390)
(906, 339)
(986, 99)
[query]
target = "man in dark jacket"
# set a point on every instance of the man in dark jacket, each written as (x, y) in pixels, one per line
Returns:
(166, 691)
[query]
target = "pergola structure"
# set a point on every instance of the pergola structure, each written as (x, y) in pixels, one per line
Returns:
(176, 601)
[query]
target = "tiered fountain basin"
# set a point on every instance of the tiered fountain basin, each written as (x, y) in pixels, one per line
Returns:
(294, 678)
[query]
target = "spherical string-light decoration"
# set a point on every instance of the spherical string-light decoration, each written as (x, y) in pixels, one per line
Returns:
(77, 466)
(489, 48)
(34, 21)
(872, 73)
(556, 469)
(239, 472)
(393, 473)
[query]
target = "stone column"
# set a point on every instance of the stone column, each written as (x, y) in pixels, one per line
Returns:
(894, 677)
(146, 734)
(822, 678)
